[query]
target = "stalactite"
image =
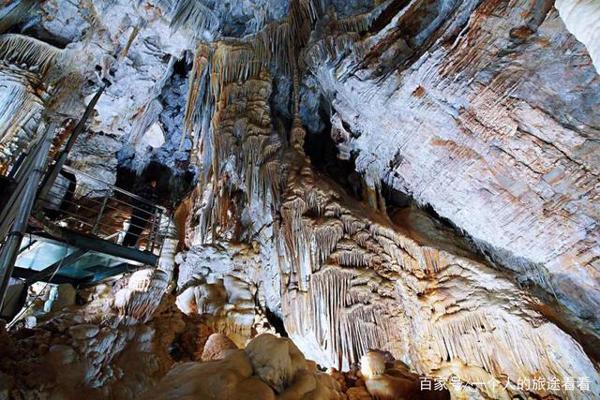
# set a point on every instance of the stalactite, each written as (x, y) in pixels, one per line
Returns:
(205, 214)
(25, 64)
(243, 148)
(272, 44)
(198, 86)
(521, 346)
(331, 49)
(22, 103)
(351, 280)
(218, 76)
(297, 133)
(32, 53)
(233, 62)
(326, 238)
(361, 22)
(252, 153)
(301, 17)
(361, 269)
(325, 313)
(193, 14)
(352, 258)
(149, 115)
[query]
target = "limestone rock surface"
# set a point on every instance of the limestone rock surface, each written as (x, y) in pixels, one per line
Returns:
(419, 178)
(267, 367)
(483, 131)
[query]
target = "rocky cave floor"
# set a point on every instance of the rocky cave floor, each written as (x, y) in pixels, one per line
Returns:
(104, 349)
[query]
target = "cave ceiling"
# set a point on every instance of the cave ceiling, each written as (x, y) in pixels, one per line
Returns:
(419, 177)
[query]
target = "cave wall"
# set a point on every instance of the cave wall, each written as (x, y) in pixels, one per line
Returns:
(361, 282)
(487, 128)
(579, 17)
(484, 111)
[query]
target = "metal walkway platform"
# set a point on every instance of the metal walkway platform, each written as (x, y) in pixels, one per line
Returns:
(58, 224)
(77, 236)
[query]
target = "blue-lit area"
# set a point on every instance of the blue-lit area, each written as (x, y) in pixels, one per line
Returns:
(38, 254)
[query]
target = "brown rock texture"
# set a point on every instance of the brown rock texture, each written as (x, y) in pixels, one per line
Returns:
(89, 352)
(351, 279)
(360, 279)
(216, 347)
(258, 373)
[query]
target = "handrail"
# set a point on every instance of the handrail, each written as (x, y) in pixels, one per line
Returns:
(94, 215)
(113, 187)
(93, 200)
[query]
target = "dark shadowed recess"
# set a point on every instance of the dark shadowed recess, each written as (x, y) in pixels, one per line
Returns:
(324, 156)
(171, 189)
(32, 27)
(276, 322)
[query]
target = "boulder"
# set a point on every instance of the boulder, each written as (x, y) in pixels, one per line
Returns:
(216, 347)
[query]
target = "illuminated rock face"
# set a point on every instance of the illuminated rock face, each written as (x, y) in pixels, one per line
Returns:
(364, 283)
(483, 111)
(495, 126)
(24, 67)
(104, 349)
(21, 113)
(268, 366)
(581, 18)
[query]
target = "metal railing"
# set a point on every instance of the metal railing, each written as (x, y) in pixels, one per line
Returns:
(117, 216)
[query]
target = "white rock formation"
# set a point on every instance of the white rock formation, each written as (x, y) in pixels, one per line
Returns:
(482, 110)
(581, 18)
(154, 137)
(27, 74)
(275, 360)
(484, 132)
(90, 351)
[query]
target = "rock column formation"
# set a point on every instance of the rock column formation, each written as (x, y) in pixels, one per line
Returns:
(404, 189)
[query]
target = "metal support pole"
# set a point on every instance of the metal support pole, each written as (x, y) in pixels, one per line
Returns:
(96, 227)
(153, 230)
(62, 158)
(10, 250)
(8, 210)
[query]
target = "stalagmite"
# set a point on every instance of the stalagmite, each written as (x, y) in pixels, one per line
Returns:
(216, 347)
(345, 322)
(389, 384)
(248, 375)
